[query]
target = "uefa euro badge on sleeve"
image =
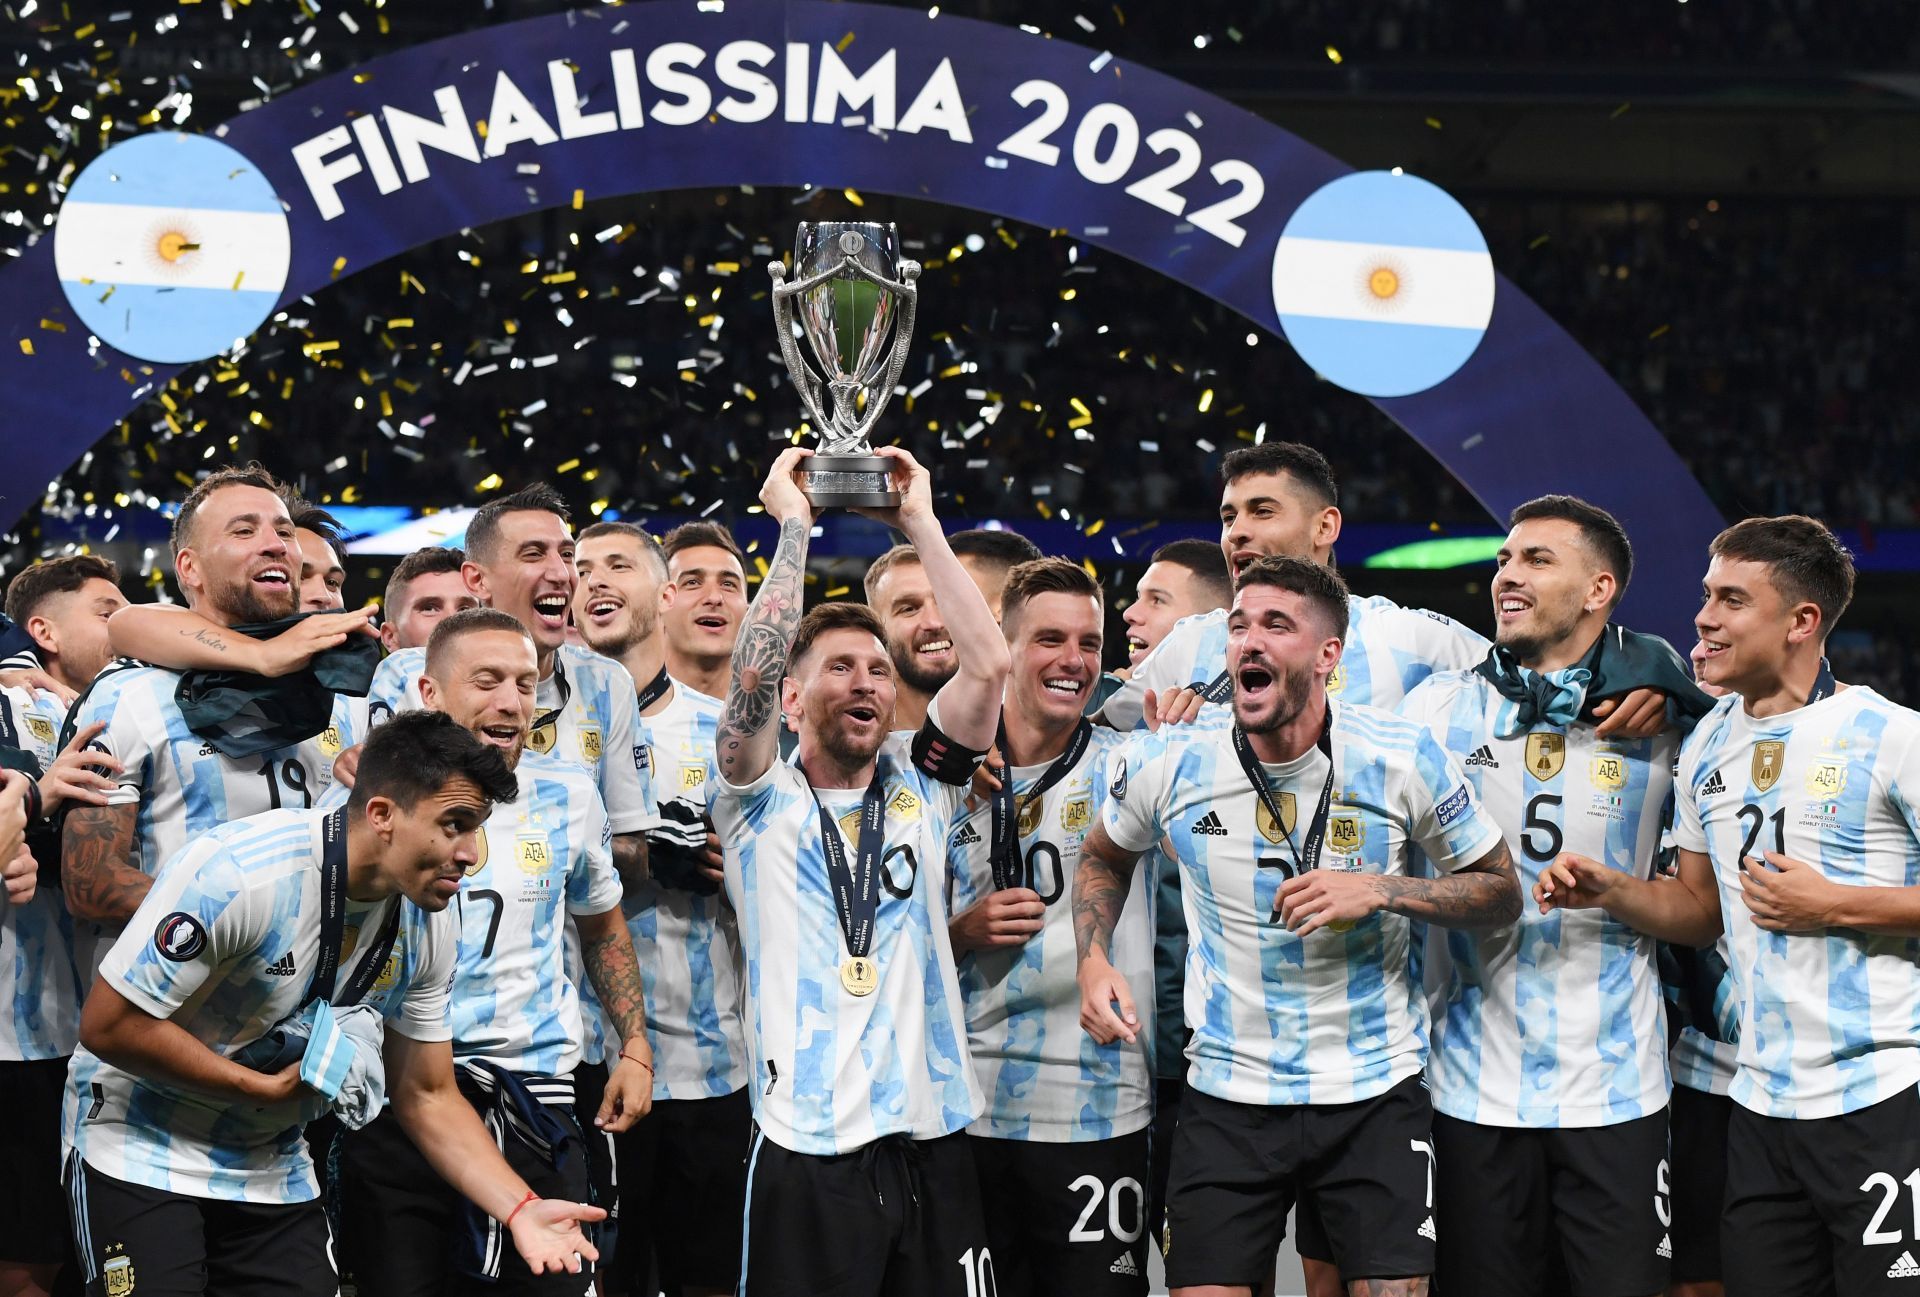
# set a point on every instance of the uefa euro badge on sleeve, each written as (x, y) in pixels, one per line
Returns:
(854, 290)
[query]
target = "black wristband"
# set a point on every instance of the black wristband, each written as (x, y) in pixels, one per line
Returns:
(939, 757)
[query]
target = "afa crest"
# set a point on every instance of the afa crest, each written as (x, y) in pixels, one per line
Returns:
(1077, 814)
(533, 854)
(117, 1276)
(40, 727)
(692, 777)
(1337, 679)
(1609, 771)
(590, 743)
(1827, 778)
(905, 805)
(1769, 757)
(1346, 834)
(390, 972)
(1281, 831)
(1546, 754)
(330, 740)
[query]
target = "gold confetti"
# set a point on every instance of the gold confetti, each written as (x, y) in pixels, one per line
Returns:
(53, 326)
(1206, 400)
(1662, 331)
(402, 322)
(238, 276)
(844, 42)
(839, 590)
(339, 264)
(1334, 55)
(579, 199)
(491, 482)
(26, 346)
(854, 197)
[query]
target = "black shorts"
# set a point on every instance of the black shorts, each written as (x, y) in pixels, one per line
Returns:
(589, 1089)
(401, 1224)
(897, 1216)
(1576, 1211)
(1066, 1218)
(1166, 1115)
(140, 1242)
(683, 1181)
(1823, 1206)
(33, 1218)
(1698, 1136)
(1239, 1168)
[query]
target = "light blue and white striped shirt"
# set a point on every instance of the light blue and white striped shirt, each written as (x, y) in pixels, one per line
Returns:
(39, 986)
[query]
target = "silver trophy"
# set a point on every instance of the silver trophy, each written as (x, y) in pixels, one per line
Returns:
(851, 283)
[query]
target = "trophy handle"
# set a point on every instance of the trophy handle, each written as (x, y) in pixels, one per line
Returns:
(809, 383)
(908, 291)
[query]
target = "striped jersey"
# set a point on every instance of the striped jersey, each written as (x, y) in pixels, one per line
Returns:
(688, 945)
(1557, 1021)
(832, 1071)
(39, 986)
(514, 1004)
(1829, 1022)
(223, 946)
(1388, 650)
(1043, 1076)
(1277, 1019)
(181, 786)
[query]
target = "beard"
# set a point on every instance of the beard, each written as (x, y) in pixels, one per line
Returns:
(916, 675)
(842, 748)
(638, 626)
(1543, 631)
(1294, 688)
(243, 603)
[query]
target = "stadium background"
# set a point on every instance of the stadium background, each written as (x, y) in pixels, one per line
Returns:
(1716, 201)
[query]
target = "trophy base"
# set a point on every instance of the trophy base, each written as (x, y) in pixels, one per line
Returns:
(849, 482)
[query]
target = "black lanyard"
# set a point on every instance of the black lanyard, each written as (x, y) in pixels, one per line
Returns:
(655, 687)
(333, 921)
(552, 718)
(855, 895)
(1307, 856)
(1219, 689)
(1005, 851)
(1824, 684)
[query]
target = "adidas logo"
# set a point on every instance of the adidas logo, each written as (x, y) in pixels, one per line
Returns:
(1905, 1268)
(1714, 784)
(1666, 1247)
(1427, 1231)
(1125, 1265)
(206, 749)
(1211, 826)
(969, 837)
(1482, 756)
(281, 967)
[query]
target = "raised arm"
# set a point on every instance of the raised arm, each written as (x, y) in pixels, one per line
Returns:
(1683, 909)
(969, 703)
(1099, 894)
(747, 738)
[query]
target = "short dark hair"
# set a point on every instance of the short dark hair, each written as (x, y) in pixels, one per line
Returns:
(692, 535)
(416, 753)
(1045, 576)
(243, 475)
(825, 617)
(1207, 564)
(1315, 582)
(1301, 462)
(308, 516)
(994, 545)
(1599, 529)
(1805, 561)
(467, 621)
(648, 545)
(49, 577)
(428, 560)
(898, 556)
(483, 532)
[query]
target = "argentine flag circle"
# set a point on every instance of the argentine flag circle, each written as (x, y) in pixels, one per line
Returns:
(1383, 283)
(171, 247)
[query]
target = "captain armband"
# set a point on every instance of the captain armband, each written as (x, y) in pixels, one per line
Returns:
(939, 757)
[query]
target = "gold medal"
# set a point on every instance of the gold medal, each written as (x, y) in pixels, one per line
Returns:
(859, 975)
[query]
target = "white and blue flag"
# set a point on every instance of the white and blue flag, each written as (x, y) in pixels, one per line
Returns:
(171, 247)
(1383, 283)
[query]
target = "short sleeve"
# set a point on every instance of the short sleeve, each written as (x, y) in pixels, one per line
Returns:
(129, 736)
(1689, 831)
(1444, 818)
(592, 885)
(626, 783)
(423, 1013)
(197, 917)
(1126, 709)
(1130, 810)
(392, 680)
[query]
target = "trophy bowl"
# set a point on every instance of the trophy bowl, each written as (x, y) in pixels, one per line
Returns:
(853, 297)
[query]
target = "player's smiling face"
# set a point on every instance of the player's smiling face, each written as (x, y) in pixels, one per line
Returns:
(1744, 625)
(843, 693)
(423, 602)
(617, 603)
(1545, 580)
(77, 626)
(917, 637)
(709, 602)
(1263, 515)
(242, 563)
(1164, 595)
(1055, 640)
(485, 680)
(1277, 643)
(530, 574)
(435, 842)
(321, 576)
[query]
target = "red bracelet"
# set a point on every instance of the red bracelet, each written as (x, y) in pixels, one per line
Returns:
(531, 1197)
(641, 1061)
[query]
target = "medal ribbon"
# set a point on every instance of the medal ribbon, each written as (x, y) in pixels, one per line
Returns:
(333, 922)
(552, 717)
(854, 892)
(1217, 690)
(648, 696)
(1005, 850)
(1307, 856)
(1823, 684)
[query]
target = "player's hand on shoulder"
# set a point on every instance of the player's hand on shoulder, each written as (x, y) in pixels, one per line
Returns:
(1009, 917)
(1175, 707)
(295, 647)
(1641, 714)
(1572, 882)
(79, 775)
(32, 678)
(546, 1234)
(1106, 1002)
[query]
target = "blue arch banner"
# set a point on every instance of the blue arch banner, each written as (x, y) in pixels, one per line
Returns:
(476, 128)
